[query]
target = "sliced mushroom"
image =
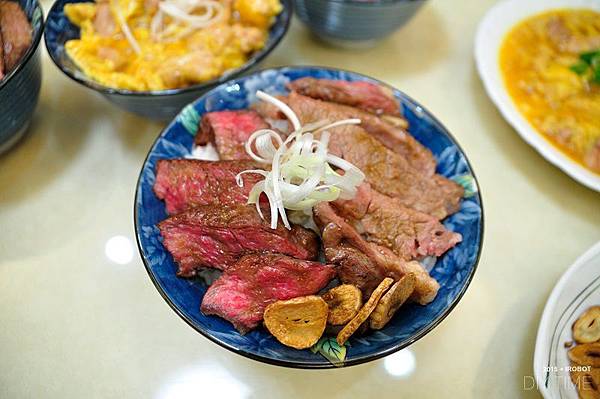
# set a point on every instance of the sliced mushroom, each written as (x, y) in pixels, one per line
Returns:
(344, 302)
(586, 354)
(391, 301)
(298, 322)
(364, 313)
(587, 327)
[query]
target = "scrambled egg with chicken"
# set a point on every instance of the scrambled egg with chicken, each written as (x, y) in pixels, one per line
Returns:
(163, 44)
(539, 60)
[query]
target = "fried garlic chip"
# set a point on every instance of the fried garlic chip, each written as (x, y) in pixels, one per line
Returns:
(364, 313)
(586, 355)
(391, 301)
(344, 302)
(298, 322)
(587, 327)
(586, 382)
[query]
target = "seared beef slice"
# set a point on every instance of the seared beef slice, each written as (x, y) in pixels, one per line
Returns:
(363, 263)
(16, 33)
(386, 222)
(393, 137)
(364, 95)
(386, 171)
(185, 183)
(245, 289)
(229, 131)
(216, 236)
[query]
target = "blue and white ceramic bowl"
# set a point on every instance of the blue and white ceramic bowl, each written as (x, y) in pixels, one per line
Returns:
(355, 23)
(20, 89)
(454, 270)
(158, 105)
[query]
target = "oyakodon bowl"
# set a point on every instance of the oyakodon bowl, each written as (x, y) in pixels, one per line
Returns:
(454, 270)
(355, 23)
(20, 89)
(158, 104)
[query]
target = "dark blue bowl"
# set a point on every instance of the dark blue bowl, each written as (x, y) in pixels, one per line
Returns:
(454, 270)
(350, 23)
(159, 105)
(20, 89)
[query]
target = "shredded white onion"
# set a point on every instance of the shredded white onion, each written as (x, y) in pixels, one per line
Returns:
(301, 172)
(182, 13)
(126, 31)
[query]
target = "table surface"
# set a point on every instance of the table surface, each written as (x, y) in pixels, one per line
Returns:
(81, 318)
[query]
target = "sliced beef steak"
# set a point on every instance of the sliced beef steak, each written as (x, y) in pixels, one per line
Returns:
(217, 235)
(365, 264)
(229, 131)
(245, 289)
(16, 33)
(393, 137)
(186, 183)
(364, 95)
(386, 171)
(356, 268)
(396, 139)
(386, 222)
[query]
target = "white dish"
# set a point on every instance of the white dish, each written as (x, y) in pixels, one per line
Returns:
(490, 34)
(577, 289)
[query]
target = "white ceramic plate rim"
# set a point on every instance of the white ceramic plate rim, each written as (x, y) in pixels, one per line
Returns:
(541, 351)
(490, 33)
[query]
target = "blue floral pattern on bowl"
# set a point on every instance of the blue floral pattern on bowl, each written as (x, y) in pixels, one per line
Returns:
(454, 270)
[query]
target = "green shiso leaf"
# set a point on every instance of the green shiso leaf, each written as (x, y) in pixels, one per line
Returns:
(329, 348)
(588, 56)
(579, 68)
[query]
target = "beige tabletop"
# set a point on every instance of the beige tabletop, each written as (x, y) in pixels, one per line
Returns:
(80, 318)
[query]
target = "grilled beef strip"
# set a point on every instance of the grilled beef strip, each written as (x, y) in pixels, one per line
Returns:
(186, 183)
(364, 264)
(229, 131)
(386, 222)
(217, 235)
(245, 289)
(386, 171)
(368, 96)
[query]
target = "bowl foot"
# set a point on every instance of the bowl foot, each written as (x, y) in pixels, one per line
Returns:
(14, 139)
(347, 44)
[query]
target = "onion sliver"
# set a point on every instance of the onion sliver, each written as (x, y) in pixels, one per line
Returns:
(302, 171)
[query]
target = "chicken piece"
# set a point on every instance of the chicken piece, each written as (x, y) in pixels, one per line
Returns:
(565, 38)
(191, 68)
(104, 23)
(248, 38)
(118, 59)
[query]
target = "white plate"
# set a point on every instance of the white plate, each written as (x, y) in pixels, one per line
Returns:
(490, 34)
(577, 289)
